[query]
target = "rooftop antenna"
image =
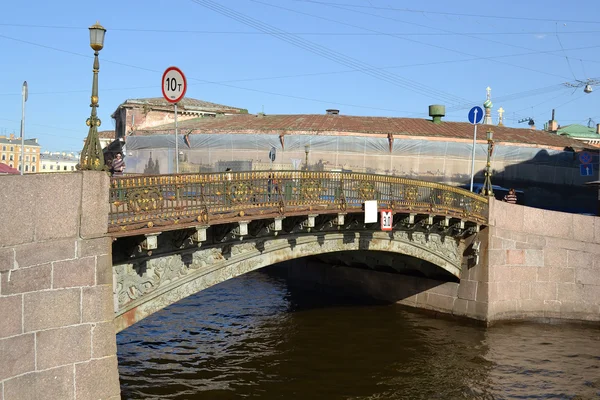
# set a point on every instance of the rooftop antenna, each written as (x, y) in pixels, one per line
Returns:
(591, 123)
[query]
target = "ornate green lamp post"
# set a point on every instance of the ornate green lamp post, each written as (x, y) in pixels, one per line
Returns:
(487, 184)
(92, 157)
(306, 151)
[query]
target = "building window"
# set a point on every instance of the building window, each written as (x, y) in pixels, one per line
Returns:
(27, 168)
(3, 148)
(33, 158)
(27, 149)
(33, 168)
(72, 168)
(26, 158)
(52, 167)
(12, 158)
(12, 148)
(10, 165)
(65, 168)
(44, 166)
(3, 157)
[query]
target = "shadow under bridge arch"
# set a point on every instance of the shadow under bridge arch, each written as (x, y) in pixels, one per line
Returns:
(147, 286)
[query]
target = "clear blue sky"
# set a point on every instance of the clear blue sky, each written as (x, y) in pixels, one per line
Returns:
(364, 57)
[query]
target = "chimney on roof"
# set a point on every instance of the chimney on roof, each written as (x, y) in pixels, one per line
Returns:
(437, 111)
(598, 129)
(12, 136)
(332, 111)
(552, 124)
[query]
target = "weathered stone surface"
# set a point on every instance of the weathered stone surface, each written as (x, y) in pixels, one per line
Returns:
(97, 304)
(54, 383)
(583, 228)
(555, 257)
(104, 341)
(580, 259)
(543, 274)
(43, 252)
(53, 219)
(525, 290)
(94, 247)
(562, 275)
(501, 273)
(74, 273)
(10, 316)
(515, 257)
(97, 379)
(508, 290)
(440, 302)
(543, 291)
(534, 258)
(7, 258)
(570, 292)
(63, 346)
(104, 270)
(508, 216)
(51, 309)
(25, 280)
(533, 219)
(523, 274)
(496, 257)
(467, 290)
(18, 198)
(587, 276)
(17, 355)
(95, 206)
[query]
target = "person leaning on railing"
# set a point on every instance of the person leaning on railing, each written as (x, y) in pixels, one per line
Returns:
(511, 197)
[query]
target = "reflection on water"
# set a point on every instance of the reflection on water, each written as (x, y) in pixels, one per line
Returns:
(253, 337)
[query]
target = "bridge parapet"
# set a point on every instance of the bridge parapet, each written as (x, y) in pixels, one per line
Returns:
(154, 203)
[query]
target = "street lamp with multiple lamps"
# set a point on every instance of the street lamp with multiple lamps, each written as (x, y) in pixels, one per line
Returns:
(306, 151)
(92, 157)
(487, 184)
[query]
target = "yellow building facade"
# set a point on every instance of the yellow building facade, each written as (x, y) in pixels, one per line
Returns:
(10, 153)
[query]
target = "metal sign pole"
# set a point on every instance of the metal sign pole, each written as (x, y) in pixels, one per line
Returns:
(473, 156)
(176, 143)
(24, 92)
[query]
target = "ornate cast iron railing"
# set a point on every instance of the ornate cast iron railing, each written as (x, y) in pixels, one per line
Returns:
(155, 202)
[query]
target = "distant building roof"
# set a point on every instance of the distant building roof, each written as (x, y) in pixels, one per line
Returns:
(579, 131)
(5, 169)
(185, 104)
(57, 156)
(17, 141)
(344, 124)
(106, 134)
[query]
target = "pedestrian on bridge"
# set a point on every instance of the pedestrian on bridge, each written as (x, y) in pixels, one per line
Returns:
(118, 165)
(511, 197)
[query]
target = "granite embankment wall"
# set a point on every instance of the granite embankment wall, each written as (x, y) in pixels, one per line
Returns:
(534, 265)
(57, 338)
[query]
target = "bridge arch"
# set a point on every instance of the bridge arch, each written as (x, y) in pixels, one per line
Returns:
(150, 285)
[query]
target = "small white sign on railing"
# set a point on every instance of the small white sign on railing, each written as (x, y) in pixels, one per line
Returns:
(370, 211)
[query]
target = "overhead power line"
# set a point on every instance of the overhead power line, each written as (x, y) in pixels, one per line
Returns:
(332, 55)
(255, 33)
(409, 10)
(407, 39)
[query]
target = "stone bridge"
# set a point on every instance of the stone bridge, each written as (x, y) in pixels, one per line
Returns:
(69, 281)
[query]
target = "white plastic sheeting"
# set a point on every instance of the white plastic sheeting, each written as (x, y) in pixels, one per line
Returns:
(427, 159)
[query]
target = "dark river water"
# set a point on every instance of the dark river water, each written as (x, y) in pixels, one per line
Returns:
(255, 337)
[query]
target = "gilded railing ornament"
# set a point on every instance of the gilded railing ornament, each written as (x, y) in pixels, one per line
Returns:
(143, 200)
(140, 202)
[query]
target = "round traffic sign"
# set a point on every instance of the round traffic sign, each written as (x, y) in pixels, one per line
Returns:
(174, 85)
(475, 115)
(585, 157)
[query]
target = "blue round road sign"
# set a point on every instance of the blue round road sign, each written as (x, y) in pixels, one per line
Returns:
(585, 157)
(475, 115)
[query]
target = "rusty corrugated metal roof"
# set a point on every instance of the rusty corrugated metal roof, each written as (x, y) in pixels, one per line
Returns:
(315, 124)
